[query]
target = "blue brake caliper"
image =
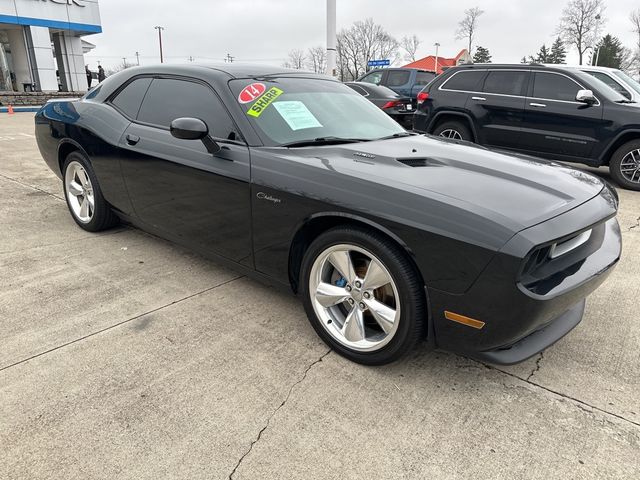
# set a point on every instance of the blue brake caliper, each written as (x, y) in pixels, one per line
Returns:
(341, 282)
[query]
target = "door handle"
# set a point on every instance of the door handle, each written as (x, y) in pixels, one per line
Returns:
(539, 105)
(132, 139)
(479, 99)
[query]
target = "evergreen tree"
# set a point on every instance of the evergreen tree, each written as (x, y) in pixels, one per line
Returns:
(608, 52)
(543, 55)
(558, 52)
(482, 55)
(524, 60)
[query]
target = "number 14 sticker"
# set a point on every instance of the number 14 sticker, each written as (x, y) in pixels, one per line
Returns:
(251, 92)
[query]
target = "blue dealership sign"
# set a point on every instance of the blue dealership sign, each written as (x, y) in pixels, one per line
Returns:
(378, 63)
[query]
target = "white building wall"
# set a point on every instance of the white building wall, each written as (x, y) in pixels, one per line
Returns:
(70, 62)
(20, 59)
(41, 55)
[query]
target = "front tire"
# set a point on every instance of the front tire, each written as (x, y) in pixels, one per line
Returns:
(84, 198)
(625, 165)
(363, 296)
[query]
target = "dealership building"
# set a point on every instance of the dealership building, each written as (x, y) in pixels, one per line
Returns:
(41, 44)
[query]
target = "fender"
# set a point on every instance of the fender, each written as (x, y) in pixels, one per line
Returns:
(300, 227)
(435, 118)
(609, 150)
(69, 141)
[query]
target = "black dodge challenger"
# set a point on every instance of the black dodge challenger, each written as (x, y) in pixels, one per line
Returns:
(389, 237)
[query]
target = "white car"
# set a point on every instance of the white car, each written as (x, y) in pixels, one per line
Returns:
(616, 79)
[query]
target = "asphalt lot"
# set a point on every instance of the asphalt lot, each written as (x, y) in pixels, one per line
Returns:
(124, 356)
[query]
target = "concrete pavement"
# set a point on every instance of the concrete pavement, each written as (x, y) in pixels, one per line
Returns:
(124, 356)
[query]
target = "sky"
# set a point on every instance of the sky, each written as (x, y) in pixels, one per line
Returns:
(266, 30)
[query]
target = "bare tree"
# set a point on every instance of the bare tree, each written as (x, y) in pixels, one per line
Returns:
(468, 25)
(317, 59)
(635, 21)
(580, 23)
(410, 45)
(364, 41)
(295, 59)
(118, 68)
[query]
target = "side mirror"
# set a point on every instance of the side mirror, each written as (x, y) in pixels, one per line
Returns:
(586, 96)
(194, 129)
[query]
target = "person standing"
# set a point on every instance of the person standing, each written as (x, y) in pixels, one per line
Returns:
(89, 76)
(101, 75)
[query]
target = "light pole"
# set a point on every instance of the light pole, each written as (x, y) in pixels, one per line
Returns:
(331, 38)
(437, 45)
(598, 17)
(160, 29)
(138, 58)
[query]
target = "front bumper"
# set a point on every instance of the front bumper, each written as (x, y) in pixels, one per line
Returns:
(537, 341)
(520, 321)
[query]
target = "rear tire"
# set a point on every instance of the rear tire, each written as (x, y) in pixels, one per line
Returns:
(625, 165)
(363, 296)
(453, 130)
(84, 198)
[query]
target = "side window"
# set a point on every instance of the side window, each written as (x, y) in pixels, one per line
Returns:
(423, 78)
(375, 78)
(551, 86)
(466, 81)
(396, 78)
(358, 89)
(610, 82)
(506, 82)
(168, 99)
(128, 101)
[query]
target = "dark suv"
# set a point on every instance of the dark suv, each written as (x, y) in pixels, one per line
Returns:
(557, 112)
(404, 81)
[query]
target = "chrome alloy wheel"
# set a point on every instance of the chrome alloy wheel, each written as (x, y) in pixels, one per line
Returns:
(354, 297)
(630, 166)
(79, 192)
(451, 133)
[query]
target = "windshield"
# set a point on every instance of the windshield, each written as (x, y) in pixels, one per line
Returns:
(603, 89)
(287, 110)
(630, 81)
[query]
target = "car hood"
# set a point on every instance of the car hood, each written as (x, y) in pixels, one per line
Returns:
(516, 191)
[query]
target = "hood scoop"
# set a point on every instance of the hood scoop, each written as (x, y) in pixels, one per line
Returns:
(416, 162)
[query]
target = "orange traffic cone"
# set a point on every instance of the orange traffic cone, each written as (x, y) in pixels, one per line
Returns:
(10, 110)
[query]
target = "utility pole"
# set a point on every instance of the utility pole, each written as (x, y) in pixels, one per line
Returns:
(437, 45)
(598, 17)
(138, 58)
(160, 29)
(331, 38)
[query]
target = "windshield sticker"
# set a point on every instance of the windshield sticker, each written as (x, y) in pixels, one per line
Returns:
(251, 92)
(264, 101)
(297, 115)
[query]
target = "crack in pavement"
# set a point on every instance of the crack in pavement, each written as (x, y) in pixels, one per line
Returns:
(57, 197)
(579, 403)
(180, 300)
(536, 369)
(637, 225)
(262, 430)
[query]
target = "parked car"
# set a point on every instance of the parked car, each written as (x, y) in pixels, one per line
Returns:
(389, 237)
(616, 79)
(555, 112)
(396, 106)
(407, 82)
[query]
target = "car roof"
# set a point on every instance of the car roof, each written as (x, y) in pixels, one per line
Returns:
(381, 89)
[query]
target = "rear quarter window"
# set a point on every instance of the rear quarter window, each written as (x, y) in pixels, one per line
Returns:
(423, 78)
(465, 80)
(396, 78)
(129, 99)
